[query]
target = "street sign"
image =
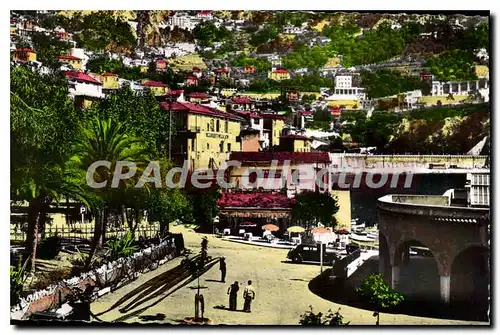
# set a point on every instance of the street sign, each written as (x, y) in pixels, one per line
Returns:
(83, 209)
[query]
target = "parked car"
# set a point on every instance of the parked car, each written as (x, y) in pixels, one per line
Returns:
(311, 253)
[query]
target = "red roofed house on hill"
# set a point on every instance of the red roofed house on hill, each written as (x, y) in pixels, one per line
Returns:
(161, 65)
(240, 103)
(278, 74)
(192, 81)
(74, 62)
(205, 136)
(158, 88)
(305, 165)
(24, 55)
(83, 88)
(238, 208)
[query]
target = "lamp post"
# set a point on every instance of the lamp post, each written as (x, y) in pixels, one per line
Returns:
(169, 100)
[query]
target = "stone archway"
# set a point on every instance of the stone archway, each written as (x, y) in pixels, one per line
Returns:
(384, 258)
(415, 271)
(470, 279)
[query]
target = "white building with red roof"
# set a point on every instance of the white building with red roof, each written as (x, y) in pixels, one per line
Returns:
(81, 84)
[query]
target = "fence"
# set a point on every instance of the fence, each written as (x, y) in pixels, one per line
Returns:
(83, 232)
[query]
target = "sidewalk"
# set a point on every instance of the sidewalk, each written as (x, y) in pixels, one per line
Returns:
(259, 243)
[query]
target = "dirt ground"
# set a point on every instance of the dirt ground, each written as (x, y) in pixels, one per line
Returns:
(282, 292)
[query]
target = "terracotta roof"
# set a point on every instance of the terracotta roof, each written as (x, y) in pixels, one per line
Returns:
(187, 107)
(77, 75)
(152, 83)
(199, 95)
(255, 199)
(280, 156)
(241, 100)
(272, 116)
(297, 137)
(109, 74)
(219, 70)
(24, 50)
(175, 92)
(280, 71)
(68, 57)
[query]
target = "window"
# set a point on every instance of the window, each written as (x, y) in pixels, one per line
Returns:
(208, 146)
(212, 125)
(208, 126)
(221, 147)
(229, 147)
(217, 126)
(226, 126)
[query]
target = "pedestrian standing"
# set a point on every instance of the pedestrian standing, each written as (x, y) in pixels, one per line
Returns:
(222, 270)
(248, 295)
(233, 295)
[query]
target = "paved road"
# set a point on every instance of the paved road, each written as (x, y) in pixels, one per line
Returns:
(282, 293)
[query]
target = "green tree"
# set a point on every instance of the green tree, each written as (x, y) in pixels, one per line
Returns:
(314, 207)
(43, 123)
(106, 140)
(378, 294)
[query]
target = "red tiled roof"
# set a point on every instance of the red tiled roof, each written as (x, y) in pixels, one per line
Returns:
(109, 74)
(68, 57)
(280, 156)
(152, 83)
(219, 70)
(77, 75)
(297, 137)
(280, 71)
(199, 95)
(187, 107)
(204, 12)
(175, 92)
(241, 100)
(272, 116)
(255, 199)
(24, 50)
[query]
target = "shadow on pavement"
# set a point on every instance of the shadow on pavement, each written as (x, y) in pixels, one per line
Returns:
(222, 307)
(139, 311)
(214, 281)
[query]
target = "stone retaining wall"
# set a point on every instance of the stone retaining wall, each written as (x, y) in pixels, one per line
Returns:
(110, 275)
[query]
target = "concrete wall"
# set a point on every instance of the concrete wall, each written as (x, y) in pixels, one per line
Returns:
(405, 161)
(343, 216)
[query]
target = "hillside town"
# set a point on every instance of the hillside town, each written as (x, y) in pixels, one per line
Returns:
(333, 139)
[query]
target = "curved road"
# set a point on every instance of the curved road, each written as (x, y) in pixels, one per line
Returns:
(282, 293)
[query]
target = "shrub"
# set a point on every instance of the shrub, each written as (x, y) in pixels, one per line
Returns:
(18, 276)
(49, 248)
(309, 318)
(378, 293)
(51, 277)
(122, 247)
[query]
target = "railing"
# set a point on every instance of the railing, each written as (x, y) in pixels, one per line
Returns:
(83, 232)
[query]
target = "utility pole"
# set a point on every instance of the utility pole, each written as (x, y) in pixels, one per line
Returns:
(170, 129)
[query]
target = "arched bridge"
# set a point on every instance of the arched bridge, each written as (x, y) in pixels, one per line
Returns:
(457, 238)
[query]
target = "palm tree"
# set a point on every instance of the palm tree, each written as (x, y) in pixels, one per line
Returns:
(106, 140)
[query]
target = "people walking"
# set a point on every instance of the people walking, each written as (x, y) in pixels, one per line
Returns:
(248, 295)
(233, 295)
(222, 270)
